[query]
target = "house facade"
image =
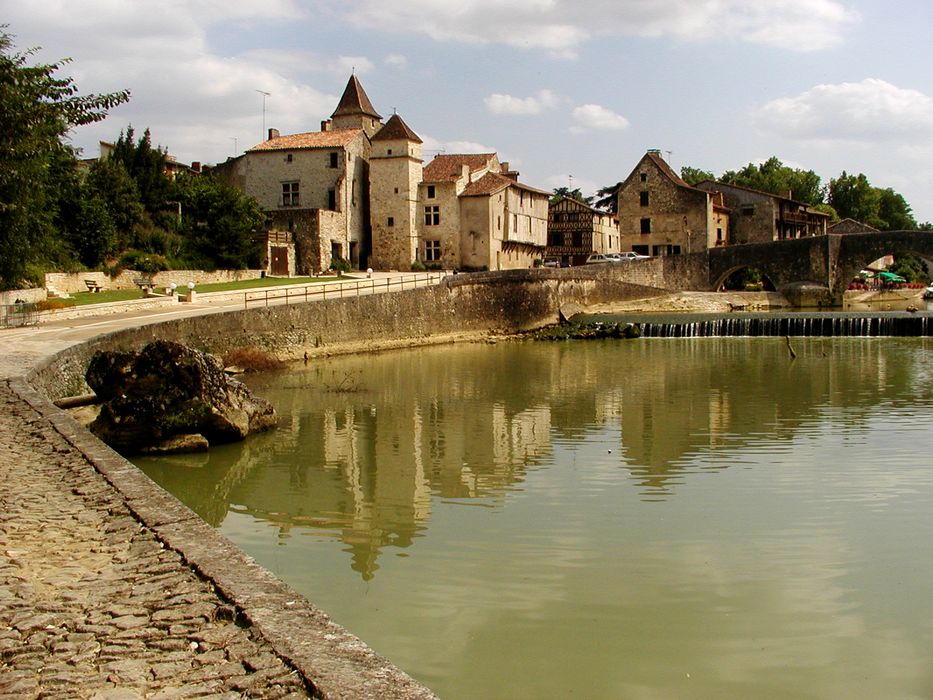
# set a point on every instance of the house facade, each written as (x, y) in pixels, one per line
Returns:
(760, 217)
(460, 211)
(660, 214)
(314, 186)
(575, 230)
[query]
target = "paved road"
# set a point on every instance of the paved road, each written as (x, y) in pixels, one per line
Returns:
(93, 604)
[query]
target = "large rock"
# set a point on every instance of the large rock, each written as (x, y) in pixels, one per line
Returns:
(168, 389)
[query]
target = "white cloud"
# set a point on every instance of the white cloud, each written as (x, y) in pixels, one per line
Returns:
(869, 111)
(431, 146)
(563, 26)
(396, 59)
(595, 117)
(516, 106)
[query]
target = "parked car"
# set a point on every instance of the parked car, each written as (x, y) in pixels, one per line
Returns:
(551, 262)
(631, 255)
(597, 258)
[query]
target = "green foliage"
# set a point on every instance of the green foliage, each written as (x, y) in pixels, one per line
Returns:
(340, 265)
(854, 197)
(694, 176)
(418, 266)
(37, 109)
(219, 223)
(910, 267)
(607, 198)
(570, 194)
(143, 261)
(775, 177)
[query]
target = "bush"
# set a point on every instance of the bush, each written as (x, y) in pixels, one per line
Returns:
(418, 266)
(340, 265)
(142, 261)
(252, 360)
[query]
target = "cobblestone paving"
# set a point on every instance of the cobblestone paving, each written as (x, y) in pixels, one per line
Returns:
(91, 604)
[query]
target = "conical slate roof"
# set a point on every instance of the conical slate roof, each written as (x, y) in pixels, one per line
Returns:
(355, 101)
(396, 130)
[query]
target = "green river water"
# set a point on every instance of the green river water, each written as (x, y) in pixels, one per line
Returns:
(691, 518)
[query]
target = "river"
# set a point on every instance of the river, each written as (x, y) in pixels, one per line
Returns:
(652, 518)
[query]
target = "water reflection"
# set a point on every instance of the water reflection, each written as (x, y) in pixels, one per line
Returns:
(369, 445)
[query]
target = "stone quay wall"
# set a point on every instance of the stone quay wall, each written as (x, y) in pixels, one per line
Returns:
(462, 305)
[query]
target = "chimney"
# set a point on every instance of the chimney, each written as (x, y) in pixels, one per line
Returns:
(196, 166)
(273, 133)
(326, 125)
(504, 166)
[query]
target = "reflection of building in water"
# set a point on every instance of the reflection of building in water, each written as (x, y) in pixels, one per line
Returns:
(367, 473)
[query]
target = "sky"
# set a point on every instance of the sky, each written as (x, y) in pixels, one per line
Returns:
(569, 92)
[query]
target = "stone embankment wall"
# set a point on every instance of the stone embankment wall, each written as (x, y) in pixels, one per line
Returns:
(27, 295)
(501, 302)
(71, 282)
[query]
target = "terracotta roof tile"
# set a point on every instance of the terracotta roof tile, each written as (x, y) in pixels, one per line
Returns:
(448, 167)
(490, 183)
(336, 138)
(355, 101)
(395, 130)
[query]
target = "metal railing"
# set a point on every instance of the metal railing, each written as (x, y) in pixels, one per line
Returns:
(17, 315)
(346, 288)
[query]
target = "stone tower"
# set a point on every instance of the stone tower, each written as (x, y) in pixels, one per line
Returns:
(355, 111)
(395, 170)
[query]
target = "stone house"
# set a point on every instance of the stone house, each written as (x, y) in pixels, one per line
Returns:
(460, 211)
(314, 188)
(660, 214)
(575, 230)
(760, 217)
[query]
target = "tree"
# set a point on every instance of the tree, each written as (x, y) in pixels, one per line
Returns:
(37, 109)
(895, 212)
(853, 197)
(146, 165)
(110, 182)
(570, 194)
(775, 177)
(219, 223)
(694, 176)
(608, 198)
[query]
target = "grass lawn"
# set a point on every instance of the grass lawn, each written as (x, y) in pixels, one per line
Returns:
(83, 298)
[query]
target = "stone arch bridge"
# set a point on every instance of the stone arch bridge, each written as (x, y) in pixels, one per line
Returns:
(829, 262)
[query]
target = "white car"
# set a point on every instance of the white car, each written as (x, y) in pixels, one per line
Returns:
(597, 258)
(630, 255)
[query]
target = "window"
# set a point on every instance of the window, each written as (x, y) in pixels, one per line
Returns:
(333, 159)
(389, 152)
(289, 194)
(643, 198)
(577, 237)
(289, 158)
(432, 216)
(646, 225)
(644, 177)
(390, 221)
(332, 200)
(515, 223)
(396, 190)
(431, 192)
(432, 251)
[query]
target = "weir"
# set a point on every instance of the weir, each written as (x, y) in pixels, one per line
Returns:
(823, 324)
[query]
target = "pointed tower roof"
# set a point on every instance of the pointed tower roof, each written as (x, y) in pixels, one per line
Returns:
(395, 130)
(355, 101)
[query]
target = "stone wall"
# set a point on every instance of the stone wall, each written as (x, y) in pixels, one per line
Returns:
(503, 302)
(27, 295)
(71, 282)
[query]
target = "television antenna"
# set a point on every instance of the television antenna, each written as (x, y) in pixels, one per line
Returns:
(264, 96)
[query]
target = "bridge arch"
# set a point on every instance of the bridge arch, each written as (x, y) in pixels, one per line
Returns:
(856, 250)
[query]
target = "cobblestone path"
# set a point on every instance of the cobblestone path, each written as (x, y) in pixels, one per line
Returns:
(91, 604)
